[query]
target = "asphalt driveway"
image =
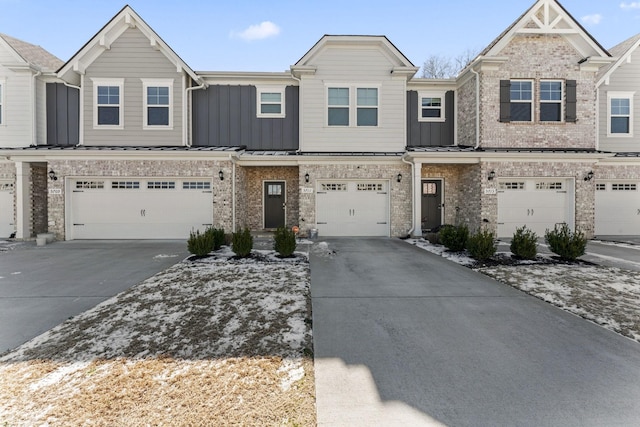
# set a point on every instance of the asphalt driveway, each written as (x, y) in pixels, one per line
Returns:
(404, 337)
(41, 286)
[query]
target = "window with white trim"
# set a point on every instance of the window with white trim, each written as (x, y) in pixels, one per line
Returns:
(431, 106)
(624, 187)
(349, 105)
(338, 106)
(367, 106)
(620, 113)
(157, 102)
(551, 101)
(270, 101)
(521, 100)
(108, 109)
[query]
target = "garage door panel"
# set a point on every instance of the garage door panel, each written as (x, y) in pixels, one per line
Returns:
(617, 208)
(7, 226)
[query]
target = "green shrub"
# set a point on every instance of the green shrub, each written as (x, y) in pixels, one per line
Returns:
(482, 245)
(284, 242)
(242, 243)
(200, 244)
(565, 243)
(454, 237)
(218, 238)
(524, 243)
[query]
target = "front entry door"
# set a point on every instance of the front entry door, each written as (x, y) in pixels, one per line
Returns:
(431, 204)
(274, 204)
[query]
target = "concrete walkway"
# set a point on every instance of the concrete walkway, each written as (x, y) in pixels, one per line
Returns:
(404, 337)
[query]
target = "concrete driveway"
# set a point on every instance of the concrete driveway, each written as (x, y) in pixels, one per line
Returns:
(404, 337)
(41, 286)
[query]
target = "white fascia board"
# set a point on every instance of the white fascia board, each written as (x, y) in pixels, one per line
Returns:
(21, 156)
(420, 84)
(230, 78)
(618, 61)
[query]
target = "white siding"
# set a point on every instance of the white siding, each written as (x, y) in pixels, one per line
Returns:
(41, 112)
(623, 79)
(354, 67)
(17, 117)
(133, 58)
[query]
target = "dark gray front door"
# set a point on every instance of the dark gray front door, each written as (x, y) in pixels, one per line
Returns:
(431, 204)
(274, 204)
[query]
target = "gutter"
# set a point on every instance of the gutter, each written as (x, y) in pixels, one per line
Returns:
(80, 108)
(185, 111)
(413, 194)
(233, 192)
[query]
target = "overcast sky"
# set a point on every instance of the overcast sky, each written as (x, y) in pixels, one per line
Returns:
(261, 35)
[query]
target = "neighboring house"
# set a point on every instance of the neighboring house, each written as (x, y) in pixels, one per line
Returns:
(348, 142)
(617, 198)
(24, 71)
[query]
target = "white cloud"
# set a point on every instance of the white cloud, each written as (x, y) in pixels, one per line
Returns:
(631, 5)
(261, 31)
(592, 19)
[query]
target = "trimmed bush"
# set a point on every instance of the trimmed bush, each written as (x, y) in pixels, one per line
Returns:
(565, 243)
(285, 242)
(242, 243)
(218, 238)
(482, 245)
(454, 237)
(200, 244)
(524, 243)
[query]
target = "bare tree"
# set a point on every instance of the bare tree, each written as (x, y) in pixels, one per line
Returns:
(442, 67)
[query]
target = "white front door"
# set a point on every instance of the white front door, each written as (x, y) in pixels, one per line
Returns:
(539, 204)
(352, 208)
(135, 208)
(617, 208)
(7, 212)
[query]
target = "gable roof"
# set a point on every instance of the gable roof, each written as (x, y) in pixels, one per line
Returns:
(31, 54)
(622, 52)
(123, 20)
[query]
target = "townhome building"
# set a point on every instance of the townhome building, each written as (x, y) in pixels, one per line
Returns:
(537, 130)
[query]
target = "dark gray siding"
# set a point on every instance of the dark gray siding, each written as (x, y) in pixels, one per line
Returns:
(226, 116)
(63, 115)
(425, 134)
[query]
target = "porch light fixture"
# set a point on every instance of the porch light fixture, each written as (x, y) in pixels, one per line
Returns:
(52, 176)
(399, 177)
(588, 176)
(492, 175)
(221, 175)
(306, 177)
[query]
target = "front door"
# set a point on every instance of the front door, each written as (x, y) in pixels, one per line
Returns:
(431, 204)
(274, 204)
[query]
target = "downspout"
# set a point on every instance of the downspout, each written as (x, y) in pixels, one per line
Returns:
(233, 192)
(477, 107)
(299, 108)
(80, 108)
(185, 109)
(34, 118)
(413, 194)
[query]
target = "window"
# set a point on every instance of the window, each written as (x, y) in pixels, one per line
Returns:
(333, 186)
(86, 185)
(338, 103)
(161, 185)
(108, 107)
(196, 185)
(431, 107)
(517, 185)
(624, 187)
(620, 106)
(270, 101)
(367, 110)
(601, 187)
(548, 185)
(157, 104)
(550, 101)
(521, 101)
(370, 187)
(120, 185)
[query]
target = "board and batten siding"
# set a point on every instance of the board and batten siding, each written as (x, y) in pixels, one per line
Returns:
(132, 58)
(353, 67)
(17, 108)
(63, 115)
(427, 134)
(623, 79)
(225, 115)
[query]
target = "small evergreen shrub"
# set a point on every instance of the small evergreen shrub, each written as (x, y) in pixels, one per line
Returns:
(524, 243)
(284, 242)
(242, 243)
(565, 243)
(200, 244)
(454, 237)
(482, 245)
(218, 238)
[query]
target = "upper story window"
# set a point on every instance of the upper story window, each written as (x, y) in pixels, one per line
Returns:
(551, 101)
(620, 113)
(521, 101)
(431, 107)
(108, 110)
(341, 110)
(158, 100)
(270, 101)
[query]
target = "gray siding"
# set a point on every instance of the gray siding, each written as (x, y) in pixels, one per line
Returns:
(424, 134)
(63, 115)
(226, 116)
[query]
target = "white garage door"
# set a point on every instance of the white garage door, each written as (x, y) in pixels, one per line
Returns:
(133, 208)
(617, 208)
(352, 208)
(539, 204)
(7, 226)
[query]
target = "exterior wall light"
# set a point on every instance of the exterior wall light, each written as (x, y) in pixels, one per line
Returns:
(492, 175)
(588, 176)
(221, 175)
(52, 176)
(306, 177)
(399, 177)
